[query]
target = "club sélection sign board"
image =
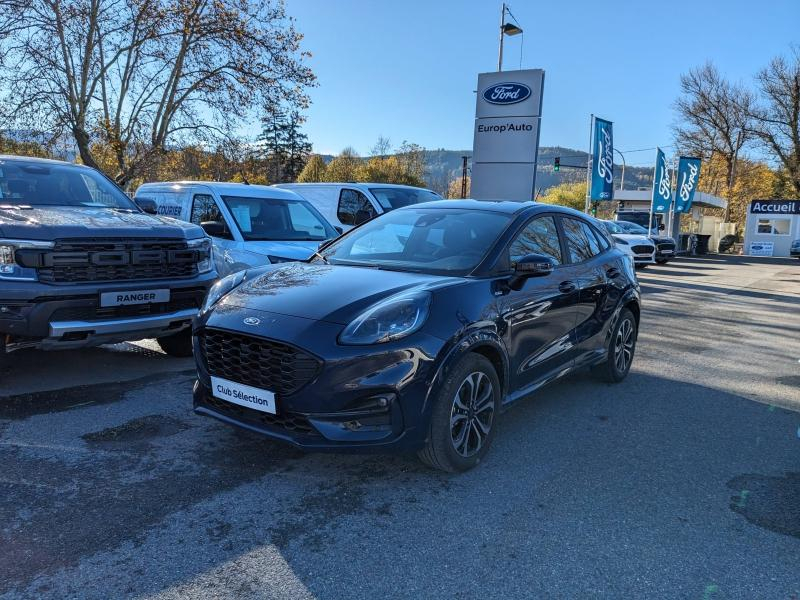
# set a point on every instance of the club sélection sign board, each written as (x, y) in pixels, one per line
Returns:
(506, 139)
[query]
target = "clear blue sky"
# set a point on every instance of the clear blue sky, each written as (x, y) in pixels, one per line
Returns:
(407, 69)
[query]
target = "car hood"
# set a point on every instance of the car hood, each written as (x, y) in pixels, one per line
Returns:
(54, 222)
(633, 238)
(298, 250)
(333, 293)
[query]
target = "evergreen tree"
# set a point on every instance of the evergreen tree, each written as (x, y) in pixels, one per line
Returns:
(283, 146)
(298, 148)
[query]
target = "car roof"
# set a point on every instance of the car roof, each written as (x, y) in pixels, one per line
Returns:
(222, 188)
(49, 161)
(359, 184)
(499, 206)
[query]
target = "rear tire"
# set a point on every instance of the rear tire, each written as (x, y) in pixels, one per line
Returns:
(178, 344)
(621, 350)
(464, 417)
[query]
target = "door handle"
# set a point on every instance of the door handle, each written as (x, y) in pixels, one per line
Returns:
(613, 272)
(565, 287)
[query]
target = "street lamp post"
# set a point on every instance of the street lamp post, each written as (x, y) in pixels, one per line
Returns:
(622, 180)
(505, 29)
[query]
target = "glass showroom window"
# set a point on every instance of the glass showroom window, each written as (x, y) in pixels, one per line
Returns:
(774, 226)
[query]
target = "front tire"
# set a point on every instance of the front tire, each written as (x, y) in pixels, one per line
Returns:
(463, 421)
(621, 350)
(178, 344)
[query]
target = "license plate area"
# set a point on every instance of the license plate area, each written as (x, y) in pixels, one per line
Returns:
(243, 395)
(131, 297)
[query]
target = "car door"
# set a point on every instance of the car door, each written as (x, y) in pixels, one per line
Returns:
(204, 210)
(586, 253)
(539, 317)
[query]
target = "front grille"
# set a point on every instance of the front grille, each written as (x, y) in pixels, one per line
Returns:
(95, 312)
(259, 362)
(666, 246)
(642, 249)
(291, 422)
(79, 261)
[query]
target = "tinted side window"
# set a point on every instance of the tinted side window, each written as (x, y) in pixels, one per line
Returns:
(581, 242)
(602, 238)
(205, 209)
(540, 236)
(354, 207)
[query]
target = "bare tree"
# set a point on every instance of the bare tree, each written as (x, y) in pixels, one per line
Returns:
(382, 147)
(775, 120)
(138, 75)
(713, 118)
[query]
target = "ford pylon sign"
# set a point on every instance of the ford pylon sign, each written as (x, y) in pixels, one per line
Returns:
(506, 93)
(506, 136)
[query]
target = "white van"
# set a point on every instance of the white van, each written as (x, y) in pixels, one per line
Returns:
(249, 225)
(350, 204)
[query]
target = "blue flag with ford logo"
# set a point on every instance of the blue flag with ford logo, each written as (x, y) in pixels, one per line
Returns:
(688, 177)
(662, 186)
(602, 187)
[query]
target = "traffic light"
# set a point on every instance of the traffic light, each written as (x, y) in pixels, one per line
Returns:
(557, 164)
(594, 209)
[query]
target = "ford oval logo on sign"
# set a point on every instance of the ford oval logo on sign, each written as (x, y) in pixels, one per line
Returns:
(506, 93)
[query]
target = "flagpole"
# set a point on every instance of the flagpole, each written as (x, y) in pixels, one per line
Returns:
(652, 197)
(589, 164)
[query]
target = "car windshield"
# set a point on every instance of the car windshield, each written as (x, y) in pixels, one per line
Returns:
(261, 219)
(613, 227)
(628, 227)
(33, 183)
(392, 198)
(437, 241)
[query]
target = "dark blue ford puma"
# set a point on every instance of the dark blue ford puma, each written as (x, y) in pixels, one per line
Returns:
(414, 330)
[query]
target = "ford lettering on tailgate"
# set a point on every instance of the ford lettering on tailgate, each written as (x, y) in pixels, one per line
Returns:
(506, 93)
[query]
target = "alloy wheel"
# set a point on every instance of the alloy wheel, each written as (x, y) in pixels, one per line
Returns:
(623, 346)
(472, 414)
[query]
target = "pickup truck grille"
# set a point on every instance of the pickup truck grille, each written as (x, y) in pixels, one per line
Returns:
(81, 261)
(255, 361)
(180, 300)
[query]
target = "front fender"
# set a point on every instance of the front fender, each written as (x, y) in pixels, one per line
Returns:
(475, 339)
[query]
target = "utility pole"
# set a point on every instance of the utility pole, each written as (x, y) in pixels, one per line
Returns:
(464, 160)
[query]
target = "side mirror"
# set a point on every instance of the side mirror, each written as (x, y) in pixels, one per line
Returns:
(339, 230)
(147, 205)
(215, 228)
(531, 265)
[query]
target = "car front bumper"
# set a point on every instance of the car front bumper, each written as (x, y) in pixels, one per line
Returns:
(362, 398)
(51, 317)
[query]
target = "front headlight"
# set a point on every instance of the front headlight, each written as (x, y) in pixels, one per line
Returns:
(9, 267)
(203, 247)
(620, 241)
(391, 319)
(222, 287)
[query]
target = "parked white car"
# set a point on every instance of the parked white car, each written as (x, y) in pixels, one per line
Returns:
(249, 225)
(640, 247)
(349, 204)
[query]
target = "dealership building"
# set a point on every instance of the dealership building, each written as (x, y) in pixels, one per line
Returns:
(771, 226)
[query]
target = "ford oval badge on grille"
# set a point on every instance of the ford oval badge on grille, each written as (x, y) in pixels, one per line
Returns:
(506, 93)
(252, 321)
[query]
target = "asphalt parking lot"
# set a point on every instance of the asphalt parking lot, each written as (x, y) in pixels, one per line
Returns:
(681, 482)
